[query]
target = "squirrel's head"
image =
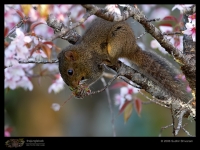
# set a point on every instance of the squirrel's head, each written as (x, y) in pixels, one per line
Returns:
(78, 67)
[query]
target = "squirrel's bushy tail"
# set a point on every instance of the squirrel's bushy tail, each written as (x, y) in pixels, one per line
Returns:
(162, 72)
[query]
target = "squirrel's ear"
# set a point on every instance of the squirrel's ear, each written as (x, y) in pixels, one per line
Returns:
(71, 55)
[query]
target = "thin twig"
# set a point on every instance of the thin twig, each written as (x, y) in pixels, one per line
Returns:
(37, 62)
(172, 33)
(150, 20)
(141, 35)
(173, 121)
(67, 29)
(180, 118)
(186, 130)
(110, 107)
(156, 101)
(101, 90)
(18, 25)
(164, 128)
(185, 106)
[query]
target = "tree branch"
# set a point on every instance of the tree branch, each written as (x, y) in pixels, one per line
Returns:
(141, 80)
(110, 107)
(37, 62)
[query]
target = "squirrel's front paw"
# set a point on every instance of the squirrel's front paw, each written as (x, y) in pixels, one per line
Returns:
(81, 91)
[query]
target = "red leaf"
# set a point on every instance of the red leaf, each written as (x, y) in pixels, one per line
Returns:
(21, 14)
(33, 25)
(83, 26)
(6, 44)
(46, 50)
(34, 49)
(5, 31)
(118, 85)
(49, 42)
(171, 18)
(166, 24)
(124, 106)
(138, 106)
(9, 129)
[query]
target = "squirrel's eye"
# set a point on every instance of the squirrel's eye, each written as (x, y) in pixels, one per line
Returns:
(70, 72)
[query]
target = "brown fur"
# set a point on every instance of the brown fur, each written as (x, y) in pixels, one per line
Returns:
(105, 42)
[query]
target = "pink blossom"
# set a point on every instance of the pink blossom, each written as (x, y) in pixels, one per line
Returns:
(177, 42)
(19, 44)
(10, 7)
(10, 16)
(9, 59)
(65, 8)
(39, 54)
(7, 131)
(10, 83)
(6, 134)
(192, 17)
(34, 15)
(21, 37)
(22, 52)
(191, 29)
(126, 93)
(28, 68)
(57, 85)
(14, 71)
(15, 77)
(25, 83)
(60, 12)
(181, 7)
(78, 12)
(44, 31)
(35, 40)
(113, 9)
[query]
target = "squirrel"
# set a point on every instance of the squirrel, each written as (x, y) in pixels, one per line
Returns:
(104, 42)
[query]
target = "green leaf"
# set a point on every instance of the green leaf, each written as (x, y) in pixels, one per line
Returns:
(127, 112)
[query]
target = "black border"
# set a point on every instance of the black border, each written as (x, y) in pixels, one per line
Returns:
(66, 142)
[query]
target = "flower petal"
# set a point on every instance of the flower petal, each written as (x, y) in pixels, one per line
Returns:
(188, 32)
(27, 39)
(55, 106)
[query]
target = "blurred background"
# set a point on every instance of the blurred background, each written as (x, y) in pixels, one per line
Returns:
(29, 113)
